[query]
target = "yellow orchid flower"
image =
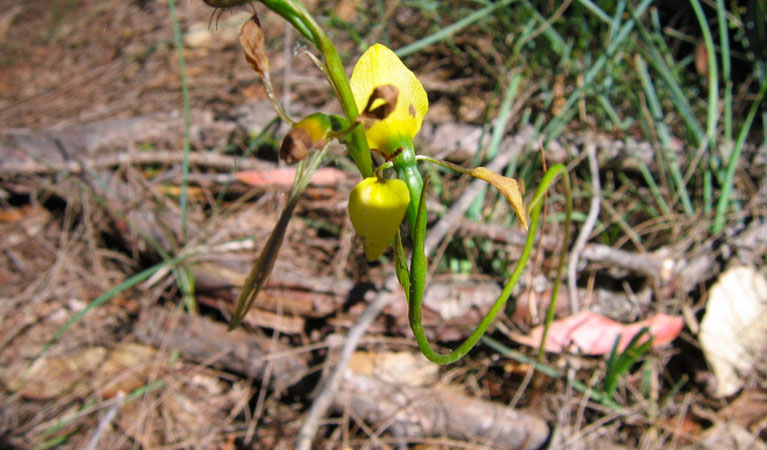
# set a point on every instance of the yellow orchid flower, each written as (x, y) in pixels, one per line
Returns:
(379, 66)
(376, 208)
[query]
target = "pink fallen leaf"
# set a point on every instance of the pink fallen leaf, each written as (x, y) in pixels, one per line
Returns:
(589, 333)
(284, 177)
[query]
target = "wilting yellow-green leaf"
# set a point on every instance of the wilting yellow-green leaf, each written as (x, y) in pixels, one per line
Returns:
(510, 189)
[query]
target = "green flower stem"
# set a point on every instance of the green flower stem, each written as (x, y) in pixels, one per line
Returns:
(295, 13)
(407, 170)
(418, 268)
(560, 265)
(445, 164)
(290, 12)
(334, 70)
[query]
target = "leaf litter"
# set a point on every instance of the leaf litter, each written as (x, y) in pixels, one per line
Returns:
(56, 259)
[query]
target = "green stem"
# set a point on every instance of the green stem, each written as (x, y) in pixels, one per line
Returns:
(334, 69)
(560, 267)
(295, 13)
(418, 268)
(407, 170)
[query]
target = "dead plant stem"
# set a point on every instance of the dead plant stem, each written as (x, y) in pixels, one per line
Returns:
(588, 227)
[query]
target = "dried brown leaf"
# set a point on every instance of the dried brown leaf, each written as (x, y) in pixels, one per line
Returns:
(254, 46)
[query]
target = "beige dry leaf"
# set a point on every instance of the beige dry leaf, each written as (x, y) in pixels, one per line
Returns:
(126, 368)
(194, 410)
(733, 330)
(510, 189)
(53, 376)
(395, 367)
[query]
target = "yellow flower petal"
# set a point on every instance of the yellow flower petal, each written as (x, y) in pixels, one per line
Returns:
(376, 209)
(380, 66)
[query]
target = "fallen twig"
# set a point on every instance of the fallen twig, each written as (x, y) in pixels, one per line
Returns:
(199, 339)
(586, 229)
(410, 412)
(330, 384)
(72, 166)
(414, 412)
(105, 422)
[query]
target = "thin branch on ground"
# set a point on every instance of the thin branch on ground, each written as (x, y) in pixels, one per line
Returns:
(205, 159)
(332, 382)
(588, 227)
(105, 422)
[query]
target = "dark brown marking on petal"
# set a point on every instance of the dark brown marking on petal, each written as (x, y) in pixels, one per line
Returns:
(386, 92)
(396, 153)
(295, 146)
(411, 110)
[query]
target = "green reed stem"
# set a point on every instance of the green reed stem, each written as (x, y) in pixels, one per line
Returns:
(183, 200)
(186, 277)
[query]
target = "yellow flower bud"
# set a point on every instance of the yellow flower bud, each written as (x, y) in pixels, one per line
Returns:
(310, 133)
(376, 209)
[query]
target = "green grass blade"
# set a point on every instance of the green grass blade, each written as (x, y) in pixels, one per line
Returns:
(108, 295)
(724, 44)
(92, 406)
(450, 29)
(558, 44)
(557, 124)
(183, 200)
(678, 97)
(664, 135)
(732, 164)
(186, 277)
(596, 10)
(713, 76)
(612, 113)
(620, 362)
(595, 395)
(615, 22)
(654, 189)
